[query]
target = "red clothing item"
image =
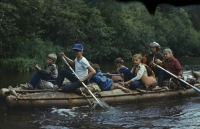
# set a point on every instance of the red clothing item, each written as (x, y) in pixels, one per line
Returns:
(172, 65)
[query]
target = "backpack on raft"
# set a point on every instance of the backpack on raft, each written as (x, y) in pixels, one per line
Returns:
(176, 84)
(42, 84)
(149, 79)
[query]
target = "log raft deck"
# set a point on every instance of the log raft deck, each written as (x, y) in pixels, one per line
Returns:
(59, 99)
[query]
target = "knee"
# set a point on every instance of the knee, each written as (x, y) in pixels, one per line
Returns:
(38, 73)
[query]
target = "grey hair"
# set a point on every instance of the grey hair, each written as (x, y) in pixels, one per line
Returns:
(52, 56)
(168, 50)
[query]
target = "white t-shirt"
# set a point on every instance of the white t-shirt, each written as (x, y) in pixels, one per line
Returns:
(81, 67)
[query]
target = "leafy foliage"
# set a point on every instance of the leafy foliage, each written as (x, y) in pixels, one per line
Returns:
(31, 29)
(18, 64)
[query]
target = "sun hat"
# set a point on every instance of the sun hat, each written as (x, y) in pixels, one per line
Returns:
(154, 44)
(78, 47)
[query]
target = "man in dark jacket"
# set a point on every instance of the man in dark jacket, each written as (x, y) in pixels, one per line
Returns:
(153, 55)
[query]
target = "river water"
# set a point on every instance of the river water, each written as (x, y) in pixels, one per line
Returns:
(179, 113)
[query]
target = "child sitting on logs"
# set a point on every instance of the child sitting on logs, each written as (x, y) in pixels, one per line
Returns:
(103, 82)
(138, 76)
(48, 74)
(119, 63)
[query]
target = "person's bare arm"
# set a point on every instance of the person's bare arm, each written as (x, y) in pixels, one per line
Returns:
(67, 59)
(37, 67)
(92, 72)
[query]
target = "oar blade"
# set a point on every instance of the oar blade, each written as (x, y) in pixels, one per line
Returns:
(102, 103)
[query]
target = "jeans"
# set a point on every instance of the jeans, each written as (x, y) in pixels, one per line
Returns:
(71, 77)
(127, 75)
(134, 84)
(156, 71)
(163, 76)
(37, 76)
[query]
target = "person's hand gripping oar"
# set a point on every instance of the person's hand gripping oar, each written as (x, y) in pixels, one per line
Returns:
(195, 88)
(98, 100)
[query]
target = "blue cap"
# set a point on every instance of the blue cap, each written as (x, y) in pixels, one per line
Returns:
(78, 47)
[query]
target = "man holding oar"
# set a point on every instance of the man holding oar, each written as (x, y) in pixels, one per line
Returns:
(79, 77)
(82, 67)
(172, 68)
(153, 55)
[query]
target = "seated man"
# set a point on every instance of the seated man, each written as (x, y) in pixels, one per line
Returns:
(153, 55)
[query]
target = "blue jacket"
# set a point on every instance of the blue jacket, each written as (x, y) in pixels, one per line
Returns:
(103, 82)
(122, 69)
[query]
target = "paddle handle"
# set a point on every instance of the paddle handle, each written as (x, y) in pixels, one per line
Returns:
(176, 77)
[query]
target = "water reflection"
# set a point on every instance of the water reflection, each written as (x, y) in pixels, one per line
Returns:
(178, 113)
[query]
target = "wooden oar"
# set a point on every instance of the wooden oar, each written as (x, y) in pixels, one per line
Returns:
(99, 101)
(195, 88)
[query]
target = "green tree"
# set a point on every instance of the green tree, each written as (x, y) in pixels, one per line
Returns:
(8, 28)
(132, 24)
(174, 30)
